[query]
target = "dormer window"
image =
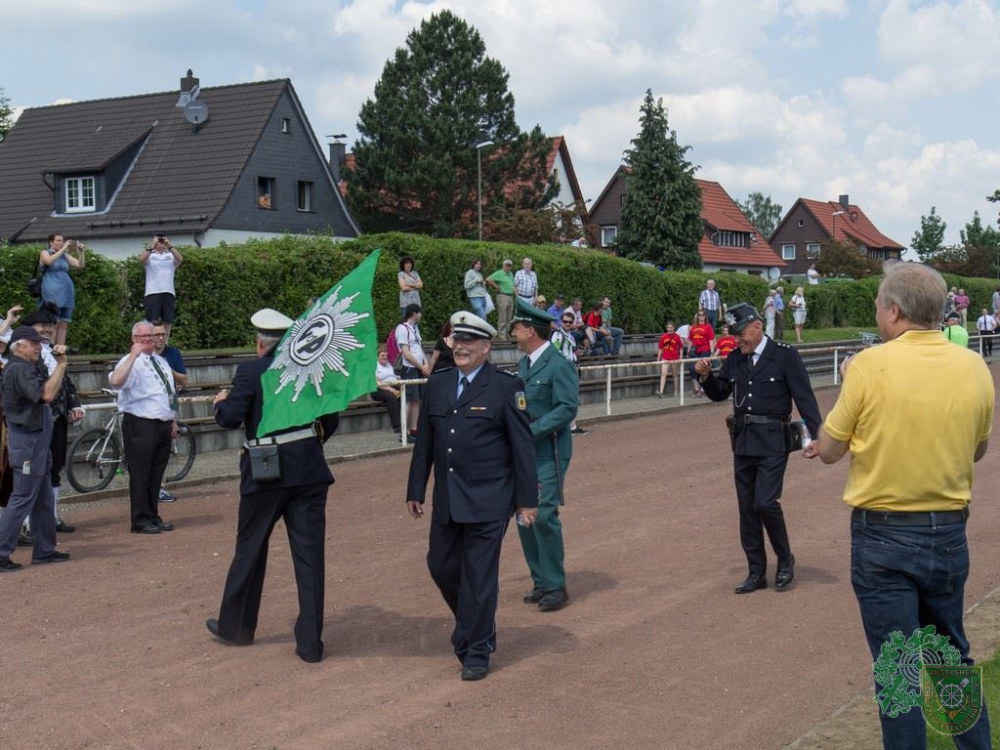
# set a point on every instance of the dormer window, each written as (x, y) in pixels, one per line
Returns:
(723, 238)
(81, 195)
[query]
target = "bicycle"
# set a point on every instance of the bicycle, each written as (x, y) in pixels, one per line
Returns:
(96, 455)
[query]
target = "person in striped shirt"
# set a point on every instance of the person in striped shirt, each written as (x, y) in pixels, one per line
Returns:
(710, 301)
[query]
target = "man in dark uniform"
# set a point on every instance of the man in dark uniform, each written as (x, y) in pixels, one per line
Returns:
(553, 392)
(474, 432)
(298, 497)
(764, 378)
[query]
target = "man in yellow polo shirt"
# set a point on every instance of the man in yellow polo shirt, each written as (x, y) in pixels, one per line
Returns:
(913, 437)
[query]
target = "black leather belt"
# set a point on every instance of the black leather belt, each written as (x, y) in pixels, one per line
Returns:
(759, 419)
(896, 518)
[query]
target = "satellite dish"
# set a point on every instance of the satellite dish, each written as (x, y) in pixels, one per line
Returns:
(196, 112)
(774, 273)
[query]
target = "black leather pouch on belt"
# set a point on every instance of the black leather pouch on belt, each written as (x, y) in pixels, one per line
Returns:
(264, 464)
(731, 426)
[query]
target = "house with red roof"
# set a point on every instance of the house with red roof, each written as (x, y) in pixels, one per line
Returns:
(730, 242)
(809, 224)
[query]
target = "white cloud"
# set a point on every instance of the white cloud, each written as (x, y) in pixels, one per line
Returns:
(817, 9)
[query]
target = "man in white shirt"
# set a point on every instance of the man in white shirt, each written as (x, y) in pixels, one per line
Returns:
(161, 260)
(148, 398)
(986, 325)
(415, 364)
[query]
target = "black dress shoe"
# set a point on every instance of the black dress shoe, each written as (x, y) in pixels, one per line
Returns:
(553, 600)
(9, 566)
(751, 584)
(53, 558)
(213, 628)
(471, 674)
(785, 574)
(64, 528)
(534, 596)
(312, 657)
(146, 528)
(163, 525)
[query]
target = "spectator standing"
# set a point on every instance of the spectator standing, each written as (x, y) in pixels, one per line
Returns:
(725, 343)
(949, 304)
(6, 330)
(962, 306)
(670, 349)
(475, 436)
(57, 286)
(764, 378)
(798, 307)
(26, 398)
(710, 301)
(501, 281)
(526, 282)
(442, 357)
(552, 390)
(409, 285)
(297, 497)
(813, 275)
(954, 331)
(996, 302)
(702, 338)
(475, 288)
(779, 314)
(910, 478)
(161, 260)
(685, 332)
(387, 391)
(617, 334)
(6, 480)
(147, 396)
(986, 325)
(174, 358)
(415, 364)
(769, 314)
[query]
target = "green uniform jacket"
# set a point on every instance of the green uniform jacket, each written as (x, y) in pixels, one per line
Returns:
(553, 392)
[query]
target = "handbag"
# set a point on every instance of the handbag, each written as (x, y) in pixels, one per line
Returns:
(490, 307)
(35, 283)
(264, 464)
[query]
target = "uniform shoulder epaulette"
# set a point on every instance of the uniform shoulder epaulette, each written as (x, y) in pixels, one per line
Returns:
(508, 373)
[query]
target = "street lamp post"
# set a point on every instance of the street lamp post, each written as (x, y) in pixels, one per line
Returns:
(479, 177)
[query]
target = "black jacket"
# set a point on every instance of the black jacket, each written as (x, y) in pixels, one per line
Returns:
(481, 448)
(766, 390)
(302, 462)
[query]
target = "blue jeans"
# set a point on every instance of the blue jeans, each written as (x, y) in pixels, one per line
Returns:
(616, 336)
(907, 577)
(478, 306)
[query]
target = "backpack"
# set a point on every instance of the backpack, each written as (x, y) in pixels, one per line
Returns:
(392, 349)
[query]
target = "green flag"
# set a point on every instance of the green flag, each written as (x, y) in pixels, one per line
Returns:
(327, 358)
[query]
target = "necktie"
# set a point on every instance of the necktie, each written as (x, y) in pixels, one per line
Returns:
(166, 383)
(461, 385)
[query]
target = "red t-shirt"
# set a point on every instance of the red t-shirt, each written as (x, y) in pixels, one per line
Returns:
(702, 335)
(725, 345)
(592, 319)
(670, 346)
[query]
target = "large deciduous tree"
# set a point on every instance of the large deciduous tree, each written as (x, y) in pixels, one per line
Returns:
(416, 160)
(661, 216)
(846, 260)
(762, 212)
(928, 241)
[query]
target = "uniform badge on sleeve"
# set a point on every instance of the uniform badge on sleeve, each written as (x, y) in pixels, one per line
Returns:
(522, 401)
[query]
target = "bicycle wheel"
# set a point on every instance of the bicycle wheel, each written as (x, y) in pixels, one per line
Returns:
(183, 449)
(93, 460)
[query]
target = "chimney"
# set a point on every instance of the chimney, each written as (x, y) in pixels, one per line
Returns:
(845, 200)
(338, 153)
(189, 82)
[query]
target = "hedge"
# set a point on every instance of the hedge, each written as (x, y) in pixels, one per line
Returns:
(219, 288)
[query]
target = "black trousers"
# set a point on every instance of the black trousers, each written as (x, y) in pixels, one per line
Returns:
(303, 510)
(464, 561)
(147, 451)
(60, 432)
(758, 486)
(391, 404)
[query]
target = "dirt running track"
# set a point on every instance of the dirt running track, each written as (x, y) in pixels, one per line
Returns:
(110, 650)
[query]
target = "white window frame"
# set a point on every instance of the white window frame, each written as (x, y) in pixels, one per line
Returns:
(785, 254)
(75, 190)
(305, 206)
(813, 250)
(604, 230)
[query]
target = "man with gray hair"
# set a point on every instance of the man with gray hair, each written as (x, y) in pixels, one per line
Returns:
(26, 398)
(526, 282)
(147, 397)
(913, 439)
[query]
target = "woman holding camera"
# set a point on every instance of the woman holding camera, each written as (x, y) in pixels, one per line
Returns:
(57, 286)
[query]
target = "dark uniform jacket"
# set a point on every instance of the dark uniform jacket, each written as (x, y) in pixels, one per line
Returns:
(481, 448)
(302, 462)
(766, 390)
(553, 391)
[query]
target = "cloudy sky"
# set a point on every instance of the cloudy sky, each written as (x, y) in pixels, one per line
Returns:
(894, 102)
